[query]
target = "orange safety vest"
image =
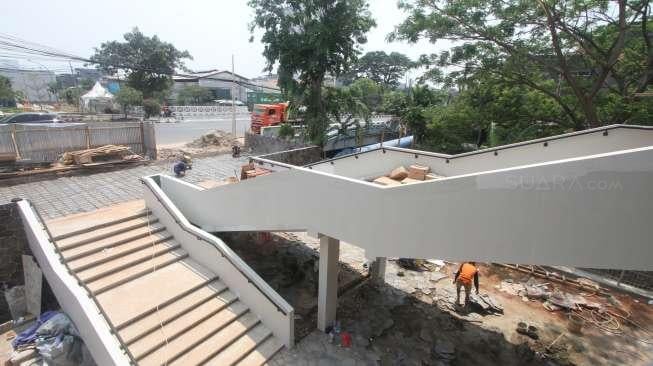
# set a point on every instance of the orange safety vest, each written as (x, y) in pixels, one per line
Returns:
(467, 272)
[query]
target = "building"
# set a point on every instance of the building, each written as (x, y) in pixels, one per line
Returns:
(218, 82)
(32, 83)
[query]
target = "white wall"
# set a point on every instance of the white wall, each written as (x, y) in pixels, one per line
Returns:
(226, 264)
(74, 300)
(588, 212)
(375, 163)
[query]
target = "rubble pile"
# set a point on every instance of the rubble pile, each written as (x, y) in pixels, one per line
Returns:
(414, 174)
(214, 138)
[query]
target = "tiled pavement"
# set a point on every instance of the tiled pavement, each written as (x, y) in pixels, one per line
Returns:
(68, 195)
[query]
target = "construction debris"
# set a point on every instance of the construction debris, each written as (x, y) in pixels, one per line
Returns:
(215, 138)
(399, 173)
(385, 181)
(102, 154)
(250, 170)
(414, 174)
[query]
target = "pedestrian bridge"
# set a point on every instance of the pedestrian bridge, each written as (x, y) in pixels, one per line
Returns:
(582, 199)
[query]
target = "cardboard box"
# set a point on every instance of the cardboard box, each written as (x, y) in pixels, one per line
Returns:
(410, 180)
(418, 171)
(432, 176)
(399, 173)
(385, 181)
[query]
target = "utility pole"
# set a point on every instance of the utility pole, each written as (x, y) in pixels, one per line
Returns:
(233, 100)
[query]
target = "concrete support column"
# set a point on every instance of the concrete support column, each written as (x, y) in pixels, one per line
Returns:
(377, 270)
(327, 298)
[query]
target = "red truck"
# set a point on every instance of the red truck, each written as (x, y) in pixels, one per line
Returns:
(264, 115)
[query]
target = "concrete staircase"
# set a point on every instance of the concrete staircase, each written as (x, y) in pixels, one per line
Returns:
(164, 307)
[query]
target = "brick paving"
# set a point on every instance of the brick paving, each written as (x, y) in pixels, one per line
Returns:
(68, 195)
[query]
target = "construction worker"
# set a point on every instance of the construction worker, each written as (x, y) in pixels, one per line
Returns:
(463, 278)
(184, 163)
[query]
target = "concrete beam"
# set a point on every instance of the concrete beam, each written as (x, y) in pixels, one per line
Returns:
(327, 298)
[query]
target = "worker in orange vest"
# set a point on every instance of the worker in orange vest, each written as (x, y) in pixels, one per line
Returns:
(463, 278)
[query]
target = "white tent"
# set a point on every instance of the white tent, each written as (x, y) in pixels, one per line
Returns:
(96, 99)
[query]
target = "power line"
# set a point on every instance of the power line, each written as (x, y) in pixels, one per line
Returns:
(10, 45)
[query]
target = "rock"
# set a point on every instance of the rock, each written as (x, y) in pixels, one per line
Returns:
(444, 349)
(400, 273)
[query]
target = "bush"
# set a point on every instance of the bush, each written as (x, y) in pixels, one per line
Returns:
(151, 108)
(286, 131)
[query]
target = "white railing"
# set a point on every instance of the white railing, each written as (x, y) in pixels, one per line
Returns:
(208, 250)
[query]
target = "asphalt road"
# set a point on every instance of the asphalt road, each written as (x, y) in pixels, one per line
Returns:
(187, 130)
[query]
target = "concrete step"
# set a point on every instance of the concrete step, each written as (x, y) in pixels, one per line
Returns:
(262, 353)
(222, 323)
(187, 323)
(241, 348)
(139, 270)
(140, 297)
(167, 313)
(101, 225)
(214, 344)
(122, 259)
(104, 232)
(118, 239)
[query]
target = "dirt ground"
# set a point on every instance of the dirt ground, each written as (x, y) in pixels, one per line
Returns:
(213, 143)
(410, 319)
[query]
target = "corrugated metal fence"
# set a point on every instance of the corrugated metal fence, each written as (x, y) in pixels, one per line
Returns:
(45, 143)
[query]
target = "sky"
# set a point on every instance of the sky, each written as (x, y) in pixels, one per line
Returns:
(211, 30)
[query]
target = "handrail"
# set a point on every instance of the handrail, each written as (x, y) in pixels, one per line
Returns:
(81, 283)
(604, 130)
(272, 163)
(202, 235)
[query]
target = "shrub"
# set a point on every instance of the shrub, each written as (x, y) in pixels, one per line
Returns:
(151, 108)
(286, 131)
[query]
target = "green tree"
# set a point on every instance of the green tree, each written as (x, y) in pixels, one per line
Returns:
(368, 92)
(384, 69)
(71, 95)
(531, 43)
(86, 84)
(128, 97)
(7, 95)
(148, 62)
(309, 38)
(346, 109)
(151, 108)
(194, 95)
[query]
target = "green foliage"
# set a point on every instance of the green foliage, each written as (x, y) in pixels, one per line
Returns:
(346, 108)
(151, 108)
(128, 97)
(286, 131)
(368, 92)
(148, 61)
(86, 84)
(589, 49)
(7, 95)
(384, 69)
(194, 95)
(71, 95)
(309, 38)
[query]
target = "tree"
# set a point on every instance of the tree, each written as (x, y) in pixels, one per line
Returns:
(128, 97)
(151, 108)
(71, 95)
(346, 109)
(194, 95)
(7, 95)
(86, 84)
(386, 70)
(148, 62)
(531, 43)
(368, 92)
(309, 38)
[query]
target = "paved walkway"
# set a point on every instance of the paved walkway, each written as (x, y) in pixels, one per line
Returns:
(68, 195)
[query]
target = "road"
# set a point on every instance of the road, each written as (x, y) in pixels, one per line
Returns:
(188, 130)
